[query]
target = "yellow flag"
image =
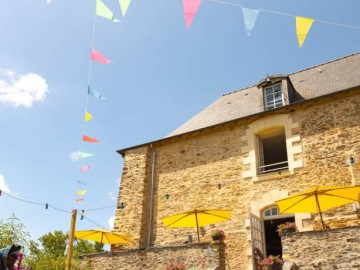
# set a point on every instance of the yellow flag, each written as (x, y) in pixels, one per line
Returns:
(103, 11)
(81, 192)
(124, 4)
(303, 26)
(88, 116)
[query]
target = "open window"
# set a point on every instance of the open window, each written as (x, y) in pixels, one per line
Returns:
(272, 152)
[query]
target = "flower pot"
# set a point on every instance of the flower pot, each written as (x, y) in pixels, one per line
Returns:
(277, 266)
(216, 238)
(289, 230)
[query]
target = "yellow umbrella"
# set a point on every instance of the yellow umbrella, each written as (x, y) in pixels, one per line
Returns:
(196, 218)
(102, 236)
(318, 199)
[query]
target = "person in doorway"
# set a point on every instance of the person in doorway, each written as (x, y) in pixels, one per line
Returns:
(8, 257)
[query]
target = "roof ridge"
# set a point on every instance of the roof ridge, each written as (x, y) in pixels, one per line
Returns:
(322, 64)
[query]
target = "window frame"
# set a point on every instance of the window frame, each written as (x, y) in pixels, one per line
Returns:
(274, 102)
(260, 156)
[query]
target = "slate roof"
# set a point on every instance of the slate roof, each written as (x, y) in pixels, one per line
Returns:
(327, 78)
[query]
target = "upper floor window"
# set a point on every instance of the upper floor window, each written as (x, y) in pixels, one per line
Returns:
(273, 97)
(272, 152)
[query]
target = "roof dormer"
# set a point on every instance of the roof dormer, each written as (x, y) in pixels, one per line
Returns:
(277, 91)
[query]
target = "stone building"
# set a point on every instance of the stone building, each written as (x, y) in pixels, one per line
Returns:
(251, 147)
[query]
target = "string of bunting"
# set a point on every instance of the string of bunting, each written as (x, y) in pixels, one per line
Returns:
(103, 11)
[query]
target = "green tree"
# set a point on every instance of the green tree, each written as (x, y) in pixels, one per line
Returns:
(52, 254)
(13, 231)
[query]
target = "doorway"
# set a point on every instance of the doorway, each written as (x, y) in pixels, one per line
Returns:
(272, 238)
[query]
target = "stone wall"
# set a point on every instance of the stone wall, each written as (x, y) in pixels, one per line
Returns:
(323, 250)
(202, 256)
(190, 167)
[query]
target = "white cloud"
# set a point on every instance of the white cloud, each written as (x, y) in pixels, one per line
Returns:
(3, 186)
(111, 222)
(21, 90)
(74, 156)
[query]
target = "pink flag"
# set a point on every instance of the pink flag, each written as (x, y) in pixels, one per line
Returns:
(97, 56)
(84, 168)
(80, 200)
(190, 9)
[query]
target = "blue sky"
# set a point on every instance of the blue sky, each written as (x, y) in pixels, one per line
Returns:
(162, 74)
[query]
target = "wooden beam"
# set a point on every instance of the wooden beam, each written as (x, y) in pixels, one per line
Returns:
(71, 239)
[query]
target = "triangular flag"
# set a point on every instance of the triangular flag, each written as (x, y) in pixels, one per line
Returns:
(98, 57)
(84, 168)
(82, 183)
(95, 94)
(250, 16)
(89, 139)
(124, 4)
(81, 192)
(80, 200)
(88, 116)
(103, 11)
(85, 155)
(303, 26)
(190, 9)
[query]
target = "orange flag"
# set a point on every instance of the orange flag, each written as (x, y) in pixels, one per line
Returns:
(89, 139)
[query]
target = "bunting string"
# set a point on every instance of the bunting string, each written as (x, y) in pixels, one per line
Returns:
(103, 11)
(286, 14)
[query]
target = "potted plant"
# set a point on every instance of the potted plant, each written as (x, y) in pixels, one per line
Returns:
(176, 266)
(288, 227)
(218, 235)
(272, 263)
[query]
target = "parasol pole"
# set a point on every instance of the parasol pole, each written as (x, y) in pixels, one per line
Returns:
(197, 225)
(71, 239)
(318, 205)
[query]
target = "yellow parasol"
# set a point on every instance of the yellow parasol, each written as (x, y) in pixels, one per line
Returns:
(196, 218)
(102, 236)
(318, 199)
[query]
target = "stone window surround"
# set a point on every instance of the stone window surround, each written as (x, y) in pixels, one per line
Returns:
(249, 148)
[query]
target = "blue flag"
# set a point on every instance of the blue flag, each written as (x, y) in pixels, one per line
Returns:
(250, 16)
(95, 94)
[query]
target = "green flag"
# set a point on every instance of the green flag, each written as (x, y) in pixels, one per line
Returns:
(103, 11)
(124, 4)
(85, 155)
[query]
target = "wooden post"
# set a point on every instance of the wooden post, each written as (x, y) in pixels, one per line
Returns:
(71, 239)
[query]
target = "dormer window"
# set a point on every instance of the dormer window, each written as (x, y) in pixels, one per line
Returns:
(277, 91)
(273, 97)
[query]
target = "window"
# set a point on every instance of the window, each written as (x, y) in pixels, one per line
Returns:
(273, 97)
(274, 211)
(272, 152)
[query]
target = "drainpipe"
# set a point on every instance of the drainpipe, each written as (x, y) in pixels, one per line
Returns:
(151, 197)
